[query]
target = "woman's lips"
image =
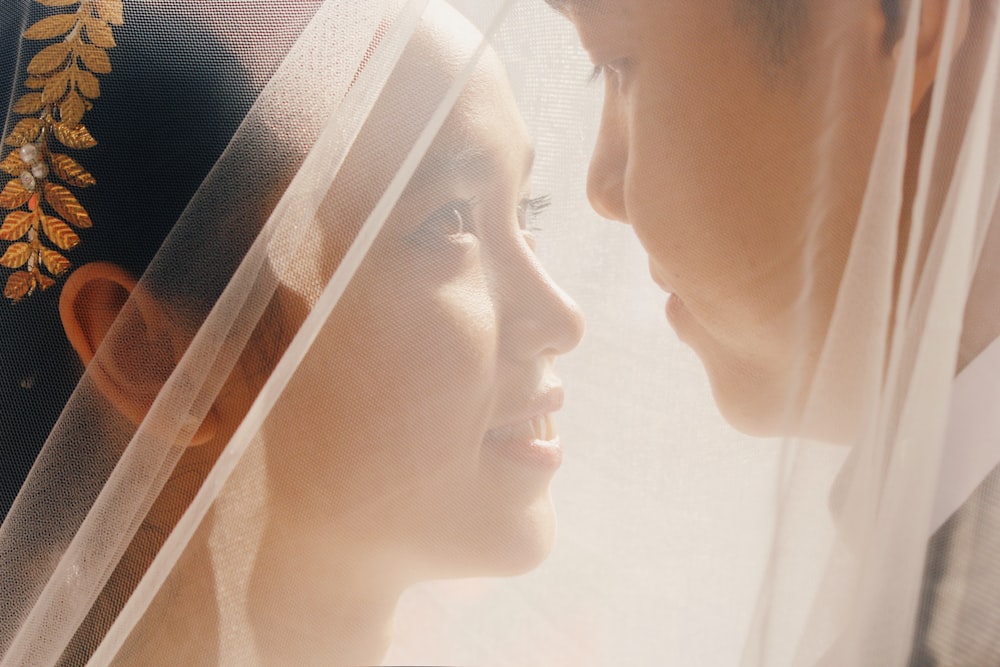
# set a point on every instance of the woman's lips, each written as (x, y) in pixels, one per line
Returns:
(541, 427)
(532, 439)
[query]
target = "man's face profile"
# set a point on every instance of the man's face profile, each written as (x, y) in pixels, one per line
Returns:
(716, 145)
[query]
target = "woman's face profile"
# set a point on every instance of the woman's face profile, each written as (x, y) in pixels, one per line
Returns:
(709, 146)
(419, 425)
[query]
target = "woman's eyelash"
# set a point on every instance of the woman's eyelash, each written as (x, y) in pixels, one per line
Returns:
(454, 218)
(531, 209)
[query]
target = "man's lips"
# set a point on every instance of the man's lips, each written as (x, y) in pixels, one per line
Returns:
(658, 278)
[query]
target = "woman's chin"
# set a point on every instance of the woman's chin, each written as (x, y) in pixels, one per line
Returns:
(530, 543)
(504, 543)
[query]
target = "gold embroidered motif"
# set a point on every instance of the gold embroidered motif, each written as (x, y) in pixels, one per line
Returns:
(62, 86)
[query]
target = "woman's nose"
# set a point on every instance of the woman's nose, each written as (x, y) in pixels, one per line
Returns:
(541, 319)
(606, 177)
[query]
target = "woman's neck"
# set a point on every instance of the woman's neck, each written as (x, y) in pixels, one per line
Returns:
(312, 600)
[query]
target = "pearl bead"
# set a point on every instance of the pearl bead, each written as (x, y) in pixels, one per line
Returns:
(29, 153)
(39, 170)
(27, 180)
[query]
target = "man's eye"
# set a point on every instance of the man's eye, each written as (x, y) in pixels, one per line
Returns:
(613, 69)
(452, 219)
(530, 210)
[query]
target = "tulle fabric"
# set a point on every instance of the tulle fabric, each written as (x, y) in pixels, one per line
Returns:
(680, 540)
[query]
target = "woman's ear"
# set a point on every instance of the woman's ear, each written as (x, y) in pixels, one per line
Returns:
(90, 301)
(930, 41)
(133, 367)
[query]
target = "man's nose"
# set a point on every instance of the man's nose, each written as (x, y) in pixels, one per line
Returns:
(606, 177)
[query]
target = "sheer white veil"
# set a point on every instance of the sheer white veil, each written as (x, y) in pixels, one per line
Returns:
(283, 289)
(62, 542)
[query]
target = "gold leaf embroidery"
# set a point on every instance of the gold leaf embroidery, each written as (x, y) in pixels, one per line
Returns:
(70, 171)
(66, 205)
(49, 58)
(19, 285)
(99, 33)
(55, 263)
(26, 131)
(63, 76)
(95, 59)
(111, 11)
(59, 232)
(13, 195)
(28, 103)
(52, 26)
(16, 225)
(56, 87)
(87, 83)
(71, 110)
(73, 137)
(13, 164)
(16, 256)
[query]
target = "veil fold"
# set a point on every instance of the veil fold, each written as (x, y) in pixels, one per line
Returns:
(320, 426)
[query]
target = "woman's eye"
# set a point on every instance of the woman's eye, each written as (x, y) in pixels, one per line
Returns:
(452, 219)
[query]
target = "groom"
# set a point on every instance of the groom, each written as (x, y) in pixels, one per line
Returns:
(717, 199)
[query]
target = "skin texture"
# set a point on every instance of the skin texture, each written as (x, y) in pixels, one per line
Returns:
(378, 462)
(722, 158)
(449, 329)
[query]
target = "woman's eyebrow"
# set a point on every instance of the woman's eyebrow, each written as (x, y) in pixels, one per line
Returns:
(472, 163)
(475, 163)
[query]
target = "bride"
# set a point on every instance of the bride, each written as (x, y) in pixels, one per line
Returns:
(411, 440)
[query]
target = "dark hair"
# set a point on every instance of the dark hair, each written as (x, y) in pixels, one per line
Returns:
(780, 24)
(175, 96)
(893, 11)
(167, 111)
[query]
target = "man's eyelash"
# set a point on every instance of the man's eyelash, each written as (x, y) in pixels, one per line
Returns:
(532, 209)
(615, 67)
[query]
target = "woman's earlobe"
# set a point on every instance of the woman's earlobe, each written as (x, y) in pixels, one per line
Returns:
(133, 367)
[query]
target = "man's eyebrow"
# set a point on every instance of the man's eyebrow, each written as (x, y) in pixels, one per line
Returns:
(565, 6)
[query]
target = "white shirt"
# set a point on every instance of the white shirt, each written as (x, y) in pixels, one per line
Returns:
(972, 437)
(960, 612)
